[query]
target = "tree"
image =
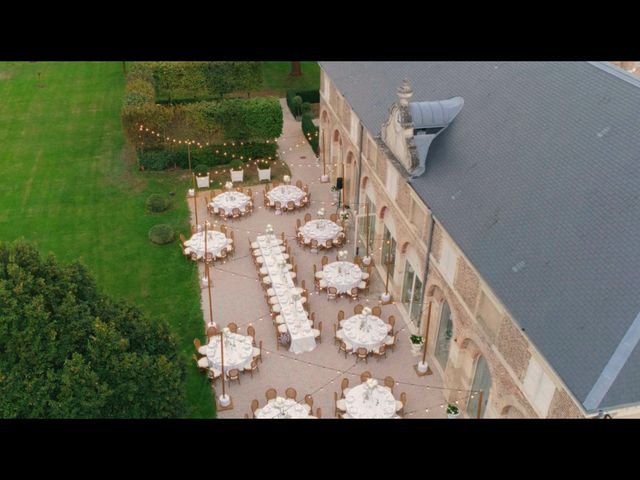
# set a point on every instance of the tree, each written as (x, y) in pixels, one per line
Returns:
(67, 351)
(296, 71)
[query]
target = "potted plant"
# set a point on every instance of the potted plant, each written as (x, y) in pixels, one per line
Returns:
(416, 344)
(452, 410)
(264, 170)
(202, 175)
(237, 171)
(335, 192)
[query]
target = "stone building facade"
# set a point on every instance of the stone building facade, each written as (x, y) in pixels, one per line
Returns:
(472, 340)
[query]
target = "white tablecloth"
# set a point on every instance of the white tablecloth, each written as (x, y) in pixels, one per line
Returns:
(363, 331)
(293, 314)
(320, 230)
(365, 403)
(216, 241)
(238, 352)
(342, 275)
(230, 200)
(286, 193)
(289, 409)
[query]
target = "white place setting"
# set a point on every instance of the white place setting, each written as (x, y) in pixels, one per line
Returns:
(238, 351)
(370, 400)
(289, 299)
(320, 230)
(285, 194)
(342, 275)
(283, 408)
(364, 330)
(230, 200)
(216, 241)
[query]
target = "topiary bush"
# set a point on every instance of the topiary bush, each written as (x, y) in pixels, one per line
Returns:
(157, 203)
(201, 170)
(310, 131)
(161, 234)
(236, 164)
(297, 105)
(306, 107)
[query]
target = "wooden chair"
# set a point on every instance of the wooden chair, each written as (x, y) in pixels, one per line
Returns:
(182, 239)
(317, 332)
(376, 311)
(337, 403)
(389, 382)
(324, 261)
(291, 206)
(381, 352)
(345, 348)
(354, 293)
(319, 413)
(271, 394)
(298, 224)
(211, 331)
(332, 293)
(257, 351)
(199, 348)
(202, 363)
(364, 376)
(223, 229)
(252, 367)
(403, 401)
(340, 315)
(291, 393)
(307, 217)
(390, 341)
(299, 184)
(357, 310)
(344, 386)
(277, 206)
(358, 261)
(233, 374)
(336, 338)
(254, 406)
(392, 324)
(233, 327)
(328, 244)
(249, 193)
(362, 354)
(314, 244)
(308, 399)
(333, 217)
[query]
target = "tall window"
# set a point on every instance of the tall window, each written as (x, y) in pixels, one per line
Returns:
(389, 251)
(481, 381)
(445, 332)
(362, 227)
(412, 293)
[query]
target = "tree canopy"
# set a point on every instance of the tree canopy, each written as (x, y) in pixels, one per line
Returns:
(68, 351)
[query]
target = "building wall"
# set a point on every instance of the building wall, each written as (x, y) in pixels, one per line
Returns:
(523, 385)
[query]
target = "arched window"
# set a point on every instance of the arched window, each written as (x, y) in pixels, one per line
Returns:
(445, 333)
(481, 381)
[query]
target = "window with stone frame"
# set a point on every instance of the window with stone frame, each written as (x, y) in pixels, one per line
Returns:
(388, 251)
(538, 387)
(363, 223)
(418, 217)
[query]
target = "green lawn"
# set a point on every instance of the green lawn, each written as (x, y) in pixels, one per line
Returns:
(69, 185)
(277, 81)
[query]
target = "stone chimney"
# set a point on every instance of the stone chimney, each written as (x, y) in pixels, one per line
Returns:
(404, 93)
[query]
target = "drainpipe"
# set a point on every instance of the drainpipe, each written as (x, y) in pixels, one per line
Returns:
(426, 271)
(355, 233)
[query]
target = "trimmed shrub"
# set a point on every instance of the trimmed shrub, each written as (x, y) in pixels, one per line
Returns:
(212, 156)
(236, 164)
(305, 107)
(140, 71)
(156, 203)
(263, 164)
(309, 96)
(201, 170)
(310, 131)
(161, 234)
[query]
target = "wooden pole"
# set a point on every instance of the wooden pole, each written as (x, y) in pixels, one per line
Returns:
(388, 262)
(480, 403)
(222, 359)
(366, 212)
(426, 336)
(189, 156)
(195, 195)
(324, 157)
(205, 246)
(209, 289)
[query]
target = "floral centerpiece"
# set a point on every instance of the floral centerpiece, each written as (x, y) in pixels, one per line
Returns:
(366, 311)
(372, 383)
(286, 179)
(269, 230)
(228, 185)
(342, 255)
(279, 402)
(320, 213)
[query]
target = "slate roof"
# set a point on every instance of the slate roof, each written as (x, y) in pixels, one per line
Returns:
(538, 182)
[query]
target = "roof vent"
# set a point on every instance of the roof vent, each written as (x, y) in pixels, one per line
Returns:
(429, 120)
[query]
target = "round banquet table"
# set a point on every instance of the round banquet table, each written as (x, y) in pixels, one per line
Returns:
(216, 241)
(285, 194)
(364, 402)
(320, 230)
(364, 331)
(342, 275)
(230, 200)
(238, 352)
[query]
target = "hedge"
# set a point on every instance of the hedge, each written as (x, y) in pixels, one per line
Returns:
(310, 130)
(176, 156)
(156, 203)
(139, 92)
(161, 234)
(309, 96)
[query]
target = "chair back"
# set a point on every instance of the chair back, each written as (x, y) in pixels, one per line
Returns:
(233, 327)
(358, 309)
(364, 376)
(376, 311)
(291, 393)
(271, 394)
